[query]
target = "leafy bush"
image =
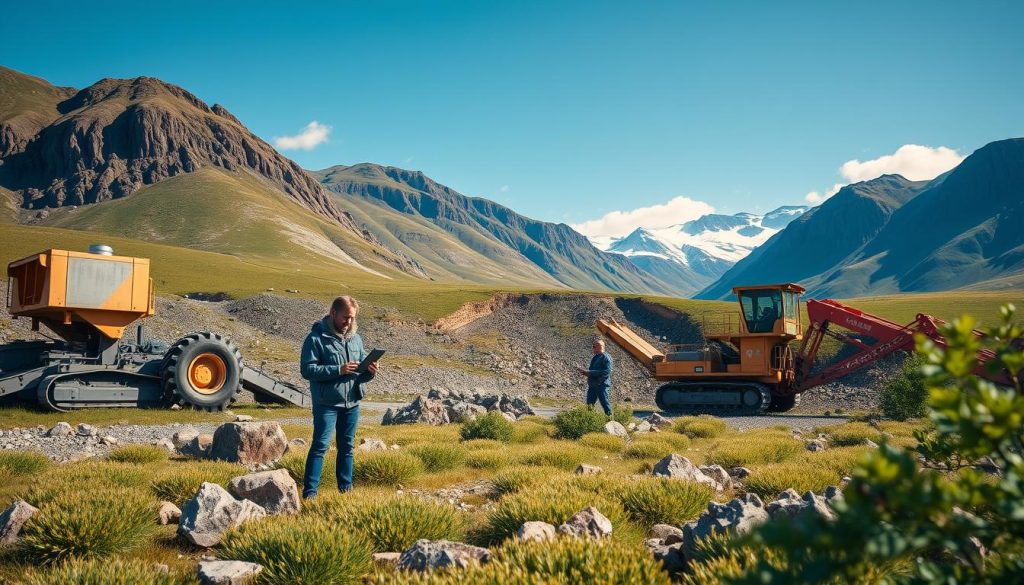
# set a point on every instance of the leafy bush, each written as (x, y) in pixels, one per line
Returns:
(104, 572)
(492, 459)
(23, 462)
(657, 500)
(439, 457)
(386, 468)
(905, 396)
(768, 481)
(563, 456)
(300, 549)
(489, 426)
(622, 414)
(648, 449)
(853, 433)
(604, 442)
(755, 448)
(565, 560)
(529, 432)
(89, 524)
(700, 427)
(577, 421)
(138, 454)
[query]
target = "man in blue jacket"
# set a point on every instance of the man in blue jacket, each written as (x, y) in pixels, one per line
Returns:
(330, 355)
(599, 377)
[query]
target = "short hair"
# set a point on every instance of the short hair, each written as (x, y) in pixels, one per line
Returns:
(344, 301)
(599, 340)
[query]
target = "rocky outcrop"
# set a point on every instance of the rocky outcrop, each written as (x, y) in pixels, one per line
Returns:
(675, 467)
(437, 554)
(440, 407)
(13, 518)
(211, 512)
(275, 491)
(587, 523)
(227, 572)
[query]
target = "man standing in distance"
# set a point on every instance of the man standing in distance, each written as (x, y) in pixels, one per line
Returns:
(329, 358)
(599, 377)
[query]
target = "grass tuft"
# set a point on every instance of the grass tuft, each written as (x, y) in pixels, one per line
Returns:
(700, 427)
(604, 442)
(138, 454)
(577, 421)
(104, 572)
(492, 426)
(386, 468)
(23, 462)
(438, 457)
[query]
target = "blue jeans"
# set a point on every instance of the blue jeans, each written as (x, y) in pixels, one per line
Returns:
(327, 419)
(600, 393)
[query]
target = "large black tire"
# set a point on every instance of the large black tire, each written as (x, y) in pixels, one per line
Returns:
(202, 370)
(784, 403)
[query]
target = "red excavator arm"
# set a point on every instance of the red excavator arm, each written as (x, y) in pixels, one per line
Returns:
(828, 315)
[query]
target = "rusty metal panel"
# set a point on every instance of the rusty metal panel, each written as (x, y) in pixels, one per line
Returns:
(99, 284)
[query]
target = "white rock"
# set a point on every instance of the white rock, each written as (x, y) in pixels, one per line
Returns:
(227, 572)
(675, 467)
(13, 518)
(588, 522)
(615, 428)
(585, 469)
(536, 531)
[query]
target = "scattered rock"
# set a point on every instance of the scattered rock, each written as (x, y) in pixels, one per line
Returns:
(175, 407)
(211, 512)
(421, 410)
(249, 443)
(717, 473)
(464, 411)
(367, 444)
(184, 436)
(275, 491)
(676, 467)
(739, 517)
(13, 518)
(658, 421)
(871, 444)
(168, 514)
(227, 572)
(243, 418)
(644, 427)
(85, 430)
(536, 531)
(108, 440)
(790, 504)
(664, 532)
(441, 406)
(585, 469)
(387, 558)
(739, 472)
(61, 429)
(436, 554)
(588, 522)
(198, 447)
(616, 429)
(815, 445)
(166, 444)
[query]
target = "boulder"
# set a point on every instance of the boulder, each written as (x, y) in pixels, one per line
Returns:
(436, 554)
(227, 572)
(790, 504)
(184, 437)
(675, 467)
(243, 418)
(464, 411)
(517, 406)
(585, 469)
(588, 523)
(61, 429)
(832, 492)
(211, 512)
(166, 444)
(815, 445)
(389, 559)
(108, 440)
(658, 421)
(671, 556)
(871, 444)
(367, 444)
(168, 514)
(275, 491)
(616, 429)
(740, 516)
(420, 410)
(13, 518)
(198, 447)
(739, 472)
(536, 531)
(251, 443)
(666, 532)
(644, 427)
(717, 473)
(86, 430)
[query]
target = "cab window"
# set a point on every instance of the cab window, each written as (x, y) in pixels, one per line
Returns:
(761, 308)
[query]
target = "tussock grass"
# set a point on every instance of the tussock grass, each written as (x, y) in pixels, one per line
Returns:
(90, 524)
(300, 549)
(604, 442)
(648, 449)
(386, 468)
(489, 426)
(439, 457)
(104, 572)
(482, 444)
(138, 454)
(852, 433)
(700, 427)
(406, 435)
(575, 422)
(180, 483)
(492, 459)
(659, 500)
(84, 478)
(768, 481)
(23, 463)
(563, 455)
(514, 479)
(840, 460)
(753, 448)
(528, 432)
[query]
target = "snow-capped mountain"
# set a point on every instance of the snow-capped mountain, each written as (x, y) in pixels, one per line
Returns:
(698, 252)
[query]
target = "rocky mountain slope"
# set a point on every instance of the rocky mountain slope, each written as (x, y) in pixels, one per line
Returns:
(892, 235)
(489, 229)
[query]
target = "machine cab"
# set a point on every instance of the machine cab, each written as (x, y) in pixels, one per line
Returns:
(770, 309)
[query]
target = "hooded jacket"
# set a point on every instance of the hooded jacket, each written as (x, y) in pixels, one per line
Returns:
(323, 354)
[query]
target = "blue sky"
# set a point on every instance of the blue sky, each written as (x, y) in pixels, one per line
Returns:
(566, 111)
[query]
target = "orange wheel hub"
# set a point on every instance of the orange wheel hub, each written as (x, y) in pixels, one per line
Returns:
(207, 373)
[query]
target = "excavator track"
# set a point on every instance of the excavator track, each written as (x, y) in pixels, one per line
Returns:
(711, 397)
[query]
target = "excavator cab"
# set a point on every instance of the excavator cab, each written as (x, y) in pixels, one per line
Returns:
(770, 309)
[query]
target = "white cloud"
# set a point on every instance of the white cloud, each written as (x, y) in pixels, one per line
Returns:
(313, 135)
(621, 223)
(913, 161)
(504, 189)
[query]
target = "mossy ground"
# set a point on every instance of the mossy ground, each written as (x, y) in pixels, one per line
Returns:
(531, 477)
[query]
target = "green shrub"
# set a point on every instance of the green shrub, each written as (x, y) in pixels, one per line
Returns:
(514, 479)
(300, 549)
(492, 425)
(386, 468)
(577, 421)
(649, 449)
(138, 454)
(604, 442)
(561, 455)
(768, 481)
(89, 524)
(565, 560)
(438, 457)
(104, 572)
(23, 462)
(754, 448)
(492, 459)
(658, 500)
(905, 395)
(700, 427)
(529, 432)
(853, 433)
(396, 524)
(622, 414)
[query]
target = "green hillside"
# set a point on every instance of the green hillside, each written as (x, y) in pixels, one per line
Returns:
(32, 97)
